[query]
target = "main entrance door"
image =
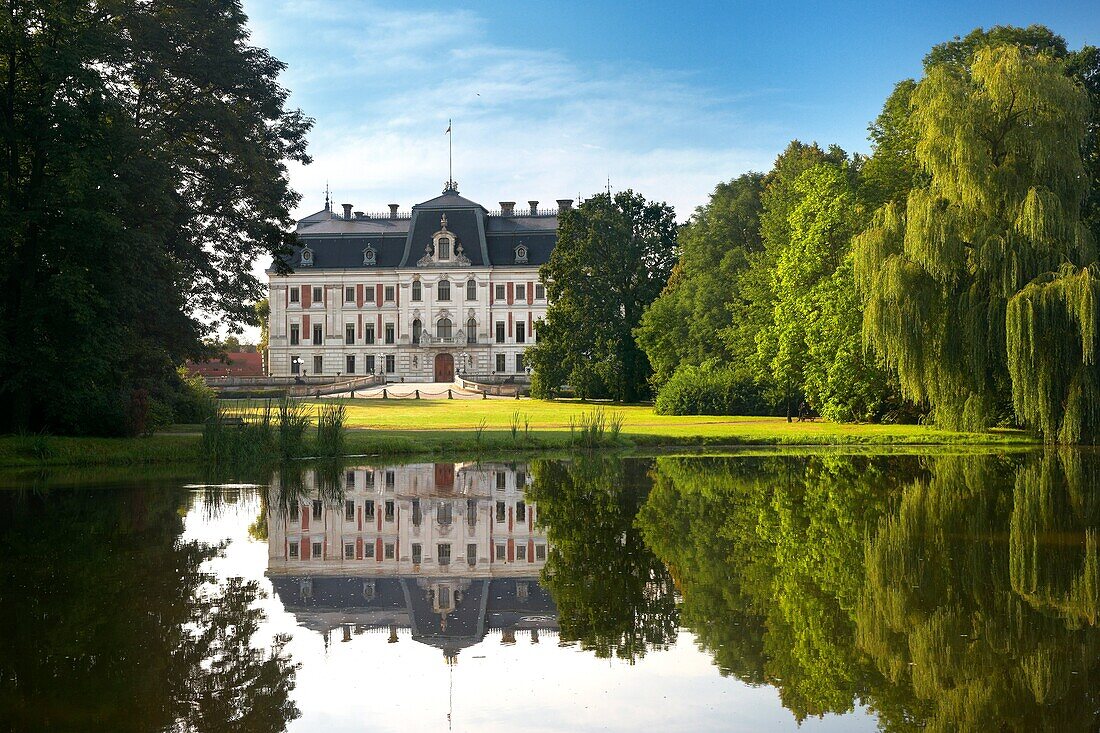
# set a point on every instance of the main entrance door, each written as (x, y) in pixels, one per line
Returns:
(444, 368)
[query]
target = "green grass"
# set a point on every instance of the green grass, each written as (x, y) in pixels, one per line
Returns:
(451, 427)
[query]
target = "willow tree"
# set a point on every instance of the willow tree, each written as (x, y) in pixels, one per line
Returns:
(978, 287)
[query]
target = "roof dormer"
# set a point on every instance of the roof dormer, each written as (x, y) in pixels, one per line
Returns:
(444, 248)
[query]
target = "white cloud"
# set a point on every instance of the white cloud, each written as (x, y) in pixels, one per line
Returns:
(528, 123)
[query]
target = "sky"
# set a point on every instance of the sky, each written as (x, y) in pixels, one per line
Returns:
(550, 100)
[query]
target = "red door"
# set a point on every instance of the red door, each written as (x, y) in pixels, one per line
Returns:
(444, 368)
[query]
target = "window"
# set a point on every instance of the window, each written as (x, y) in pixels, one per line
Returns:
(390, 479)
(443, 513)
(501, 481)
(368, 550)
(501, 513)
(501, 366)
(349, 333)
(388, 549)
(318, 334)
(471, 331)
(293, 550)
(388, 293)
(349, 364)
(294, 510)
(444, 248)
(389, 510)
(502, 552)
(521, 551)
(317, 551)
(443, 328)
(389, 333)
(295, 365)
(499, 292)
(445, 594)
(295, 295)
(521, 292)
(471, 554)
(316, 508)
(417, 290)
(443, 554)
(368, 506)
(521, 480)
(443, 290)
(295, 334)
(349, 551)
(471, 289)
(368, 333)
(471, 511)
(349, 507)
(391, 364)
(417, 516)
(368, 364)
(417, 329)
(318, 364)
(521, 511)
(519, 363)
(349, 294)
(540, 552)
(349, 480)
(417, 553)
(500, 332)
(540, 291)
(521, 332)
(318, 295)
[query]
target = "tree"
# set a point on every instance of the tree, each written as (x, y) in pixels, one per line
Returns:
(144, 148)
(975, 289)
(683, 326)
(613, 257)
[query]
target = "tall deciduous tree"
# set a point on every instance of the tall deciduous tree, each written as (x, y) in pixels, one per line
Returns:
(685, 324)
(144, 148)
(613, 257)
(978, 289)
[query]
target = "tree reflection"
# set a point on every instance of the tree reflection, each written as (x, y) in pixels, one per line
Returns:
(948, 593)
(612, 594)
(118, 628)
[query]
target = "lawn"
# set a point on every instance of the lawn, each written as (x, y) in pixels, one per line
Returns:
(460, 427)
(436, 424)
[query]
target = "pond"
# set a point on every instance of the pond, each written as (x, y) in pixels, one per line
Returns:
(823, 591)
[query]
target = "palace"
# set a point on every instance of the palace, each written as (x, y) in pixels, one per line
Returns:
(449, 287)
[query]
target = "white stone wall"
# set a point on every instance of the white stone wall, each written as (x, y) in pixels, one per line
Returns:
(411, 362)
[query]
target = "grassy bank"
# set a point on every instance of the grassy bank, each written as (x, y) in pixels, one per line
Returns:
(453, 427)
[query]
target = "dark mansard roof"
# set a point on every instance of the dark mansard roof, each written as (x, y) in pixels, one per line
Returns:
(487, 239)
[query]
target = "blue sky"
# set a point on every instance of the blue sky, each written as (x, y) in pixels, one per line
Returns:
(549, 100)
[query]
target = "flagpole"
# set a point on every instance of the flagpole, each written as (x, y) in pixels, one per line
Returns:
(450, 153)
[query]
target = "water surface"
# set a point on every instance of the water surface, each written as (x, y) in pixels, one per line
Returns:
(786, 592)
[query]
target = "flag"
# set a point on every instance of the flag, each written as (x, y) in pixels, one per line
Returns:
(448, 132)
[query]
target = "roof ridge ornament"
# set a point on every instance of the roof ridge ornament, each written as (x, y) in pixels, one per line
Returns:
(450, 186)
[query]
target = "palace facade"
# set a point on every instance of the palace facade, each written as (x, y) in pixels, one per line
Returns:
(448, 287)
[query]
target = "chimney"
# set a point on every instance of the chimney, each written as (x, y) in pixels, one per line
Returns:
(534, 207)
(507, 208)
(393, 210)
(565, 204)
(347, 211)
(360, 215)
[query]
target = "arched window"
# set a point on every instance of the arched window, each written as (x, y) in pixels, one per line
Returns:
(444, 290)
(471, 331)
(417, 328)
(416, 290)
(443, 328)
(471, 289)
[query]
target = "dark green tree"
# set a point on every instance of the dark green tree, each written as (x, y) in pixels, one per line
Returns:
(684, 325)
(144, 150)
(613, 257)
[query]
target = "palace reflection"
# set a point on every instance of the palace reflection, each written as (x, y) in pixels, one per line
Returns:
(445, 552)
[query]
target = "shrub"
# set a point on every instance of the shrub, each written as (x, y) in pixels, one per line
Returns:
(193, 401)
(709, 391)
